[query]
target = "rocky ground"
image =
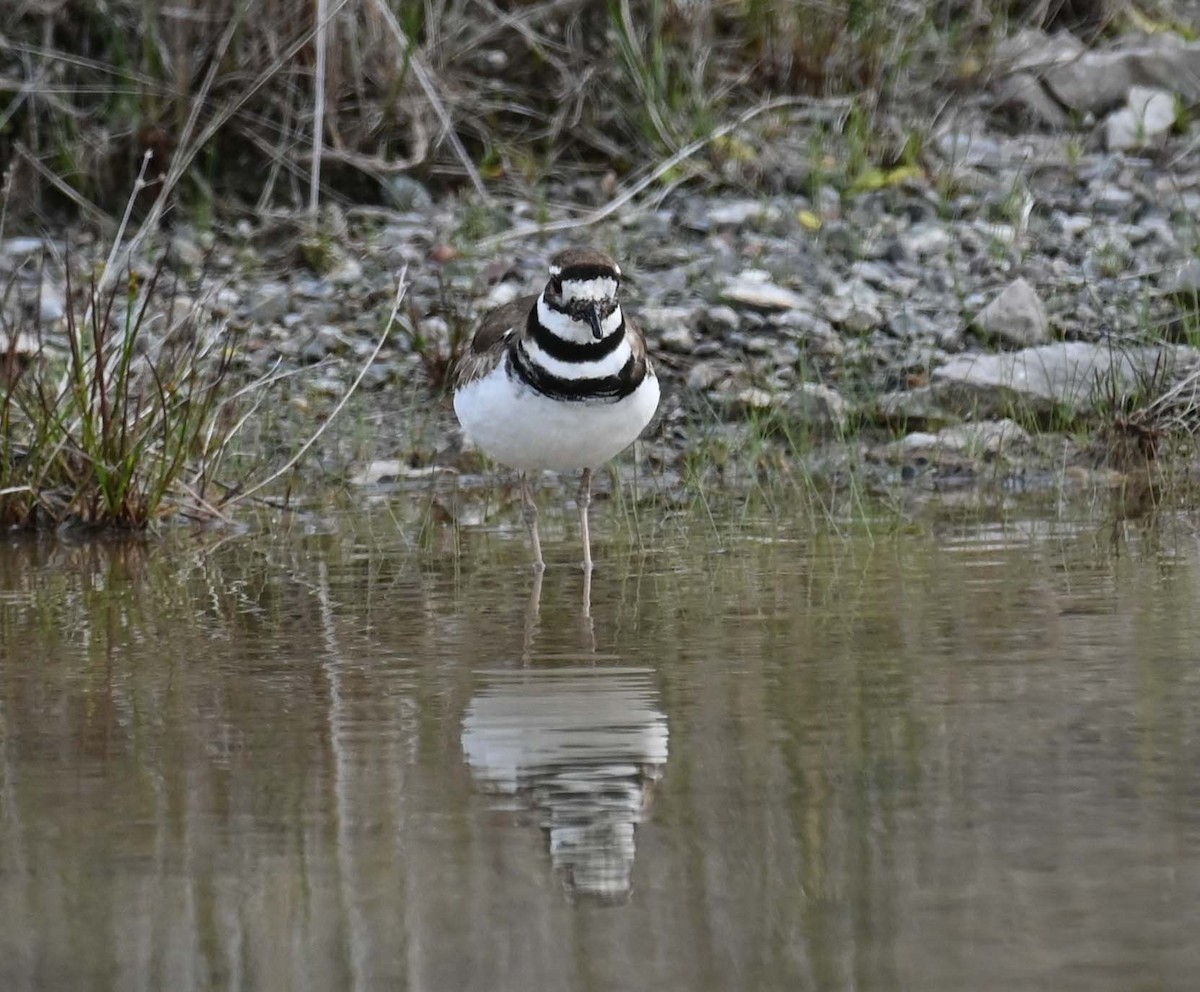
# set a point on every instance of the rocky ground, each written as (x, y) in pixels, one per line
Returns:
(996, 309)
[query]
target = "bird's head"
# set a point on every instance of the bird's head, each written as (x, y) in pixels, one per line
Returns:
(584, 284)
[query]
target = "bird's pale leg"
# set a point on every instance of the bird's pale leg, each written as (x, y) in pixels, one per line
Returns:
(530, 513)
(585, 500)
(532, 617)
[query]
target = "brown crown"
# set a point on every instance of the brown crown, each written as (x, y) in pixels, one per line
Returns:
(584, 263)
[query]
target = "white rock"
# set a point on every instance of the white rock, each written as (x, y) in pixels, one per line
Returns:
(705, 375)
(1184, 282)
(754, 288)
(910, 405)
(52, 303)
(268, 302)
(964, 148)
(500, 294)
(678, 338)
(1099, 80)
(385, 470)
(1016, 316)
(348, 272)
(1075, 376)
(21, 344)
(981, 437)
(21, 247)
(818, 405)
(753, 399)
(740, 212)
(1147, 117)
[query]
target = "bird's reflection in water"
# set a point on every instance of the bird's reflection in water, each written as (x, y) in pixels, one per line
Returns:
(582, 747)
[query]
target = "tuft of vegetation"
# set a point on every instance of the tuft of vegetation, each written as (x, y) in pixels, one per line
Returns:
(130, 425)
(133, 419)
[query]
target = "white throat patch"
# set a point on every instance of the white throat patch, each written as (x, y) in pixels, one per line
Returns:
(564, 326)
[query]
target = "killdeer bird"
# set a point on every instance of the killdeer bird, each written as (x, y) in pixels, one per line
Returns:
(558, 381)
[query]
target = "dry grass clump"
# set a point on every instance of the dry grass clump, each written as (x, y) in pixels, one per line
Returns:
(130, 424)
(456, 90)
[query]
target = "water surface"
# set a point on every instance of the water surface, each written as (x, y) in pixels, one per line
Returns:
(955, 756)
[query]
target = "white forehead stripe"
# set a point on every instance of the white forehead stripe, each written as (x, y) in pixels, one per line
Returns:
(589, 289)
(556, 270)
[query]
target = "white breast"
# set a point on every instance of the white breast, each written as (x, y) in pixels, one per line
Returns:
(527, 431)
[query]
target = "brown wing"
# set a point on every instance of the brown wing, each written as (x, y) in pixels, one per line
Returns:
(637, 344)
(491, 339)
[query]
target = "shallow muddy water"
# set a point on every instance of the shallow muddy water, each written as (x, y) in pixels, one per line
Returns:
(955, 756)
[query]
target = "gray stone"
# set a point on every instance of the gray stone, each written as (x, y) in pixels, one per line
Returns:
(1098, 81)
(974, 439)
(1075, 376)
(752, 400)
(1184, 282)
(268, 302)
(754, 288)
(1023, 94)
(851, 316)
(678, 337)
(405, 193)
(1033, 49)
(348, 272)
(704, 375)
(818, 335)
(1109, 198)
(911, 406)
(657, 320)
(21, 247)
(720, 320)
(741, 212)
(882, 275)
(1148, 116)
(500, 294)
(186, 251)
(1015, 317)
(970, 149)
(817, 405)
(52, 302)
(1072, 225)
(925, 239)
(907, 325)
(854, 306)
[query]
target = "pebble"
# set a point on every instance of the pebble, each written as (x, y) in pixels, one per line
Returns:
(1015, 317)
(925, 239)
(818, 405)
(405, 193)
(1184, 282)
(740, 212)
(1147, 117)
(986, 436)
(754, 288)
(21, 248)
(348, 272)
(720, 320)
(52, 302)
(267, 302)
